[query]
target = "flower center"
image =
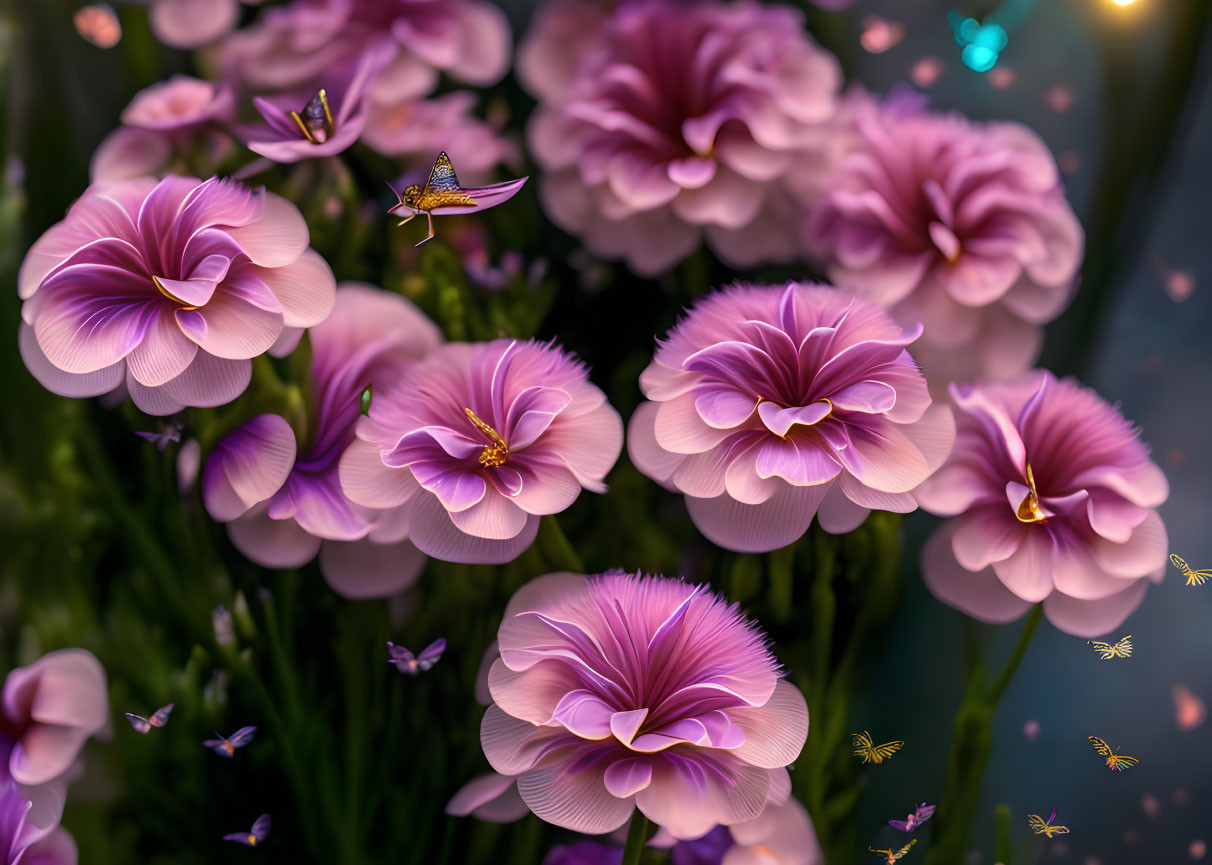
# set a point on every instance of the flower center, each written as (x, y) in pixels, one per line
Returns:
(315, 120)
(494, 454)
(1029, 510)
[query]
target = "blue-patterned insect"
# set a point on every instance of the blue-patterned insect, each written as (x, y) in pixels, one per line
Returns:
(225, 746)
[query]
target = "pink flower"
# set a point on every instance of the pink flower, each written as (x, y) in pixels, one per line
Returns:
(23, 839)
(771, 405)
(171, 287)
(1053, 500)
(619, 691)
(191, 23)
(49, 709)
(559, 35)
(282, 498)
(782, 834)
(308, 124)
(679, 121)
(164, 119)
(961, 226)
(478, 441)
(297, 43)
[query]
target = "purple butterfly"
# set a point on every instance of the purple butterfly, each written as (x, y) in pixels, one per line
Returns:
(226, 747)
(254, 836)
(920, 815)
(170, 433)
(411, 664)
(142, 725)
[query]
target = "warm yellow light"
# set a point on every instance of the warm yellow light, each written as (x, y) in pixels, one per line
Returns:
(1123, 2)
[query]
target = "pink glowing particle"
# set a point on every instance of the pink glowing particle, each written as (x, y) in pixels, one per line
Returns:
(926, 71)
(1150, 805)
(1068, 162)
(98, 24)
(1031, 730)
(1001, 77)
(1059, 98)
(1198, 849)
(879, 35)
(1189, 710)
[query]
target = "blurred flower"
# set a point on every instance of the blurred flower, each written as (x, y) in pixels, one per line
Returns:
(584, 853)
(559, 35)
(493, 798)
(306, 125)
(171, 287)
(297, 43)
(49, 709)
(167, 118)
(681, 120)
(22, 840)
(961, 226)
(282, 498)
(98, 23)
(474, 443)
(189, 461)
(618, 691)
(225, 629)
(192, 23)
(879, 34)
(1053, 496)
(771, 405)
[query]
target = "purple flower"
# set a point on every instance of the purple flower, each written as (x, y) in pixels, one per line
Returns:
(584, 853)
(771, 405)
(282, 497)
(191, 23)
(477, 441)
(24, 838)
(619, 691)
(324, 122)
(165, 119)
(170, 287)
(559, 34)
(684, 120)
(961, 226)
(1053, 499)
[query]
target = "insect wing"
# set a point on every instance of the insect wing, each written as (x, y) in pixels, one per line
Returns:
(1119, 763)
(1123, 648)
(241, 737)
(244, 838)
(886, 750)
(900, 825)
(141, 724)
(1100, 746)
(1037, 823)
(260, 828)
(1102, 648)
(431, 654)
(442, 177)
(861, 742)
(404, 660)
(924, 812)
(1198, 578)
(161, 717)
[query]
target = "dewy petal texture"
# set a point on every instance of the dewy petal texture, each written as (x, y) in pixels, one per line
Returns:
(172, 286)
(961, 226)
(770, 406)
(667, 123)
(283, 501)
(621, 691)
(477, 442)
(1052, 498)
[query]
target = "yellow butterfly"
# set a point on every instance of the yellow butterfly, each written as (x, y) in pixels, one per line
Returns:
(1115, 762)
(1194, 578)
(873, 753)
(1041, 828)
(1122, 649)
(892, 857)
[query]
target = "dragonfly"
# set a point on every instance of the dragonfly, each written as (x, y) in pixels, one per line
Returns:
(444, 195)
(1194, 578)
(407, 662)
(893, 856)
(225, 746)
(142, 725)
(920, 815)
(873, 753)
(1115, 762)
(162, 439)
(1121, 649)
(254, 836)
(1046, 828)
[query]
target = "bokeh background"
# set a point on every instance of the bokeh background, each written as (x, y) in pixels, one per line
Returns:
(1123, 95)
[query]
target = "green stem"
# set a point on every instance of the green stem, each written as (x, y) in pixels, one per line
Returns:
(637, 834)
(1016, 656)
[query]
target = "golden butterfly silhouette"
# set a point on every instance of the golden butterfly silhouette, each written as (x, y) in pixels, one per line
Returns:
(1194, 578)
(873, 753)
(444, 195)
(892, 857)
(1115, 762)
(1041, 828)
(1121, 649)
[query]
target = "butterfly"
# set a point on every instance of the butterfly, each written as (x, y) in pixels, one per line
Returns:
(1115, 762)
(142, 725)
(892, 857)
(1122, 649)
(170, 433)
(920, 815)
(254, 836)
(873, 753)
(411, 664)
(444, 194)
(1194, 578)
(1042, 828)
(226, 746)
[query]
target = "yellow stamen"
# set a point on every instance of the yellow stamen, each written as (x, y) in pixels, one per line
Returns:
(494, 454)
(1029, 510)
(295, 116)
